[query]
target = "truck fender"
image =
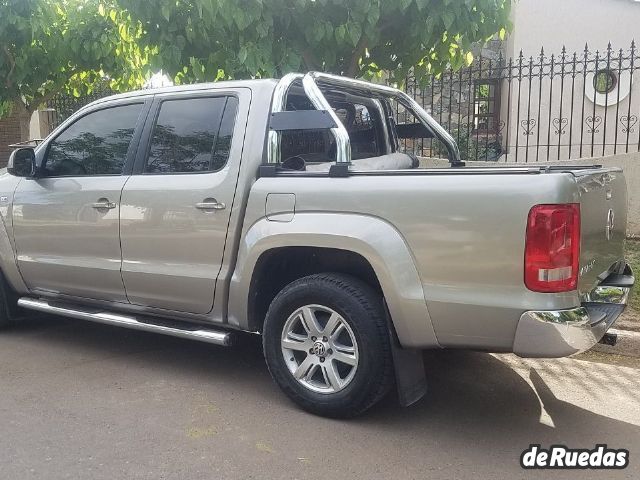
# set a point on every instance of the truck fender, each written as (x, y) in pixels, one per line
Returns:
(373, 238)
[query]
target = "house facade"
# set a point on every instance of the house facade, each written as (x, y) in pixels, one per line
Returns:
(563, 85)
(579, 97)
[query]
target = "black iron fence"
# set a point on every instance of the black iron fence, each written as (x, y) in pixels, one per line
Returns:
(60, 107)
(543, 108)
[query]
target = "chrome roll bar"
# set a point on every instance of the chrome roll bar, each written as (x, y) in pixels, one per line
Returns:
(311, 84)
(279, 104)
(343, 144)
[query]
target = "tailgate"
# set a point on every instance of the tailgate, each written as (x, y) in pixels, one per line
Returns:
(603, 213)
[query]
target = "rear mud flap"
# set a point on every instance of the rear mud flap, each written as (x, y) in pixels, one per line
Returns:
(411, 381)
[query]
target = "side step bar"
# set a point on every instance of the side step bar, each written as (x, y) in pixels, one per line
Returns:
(174, 329)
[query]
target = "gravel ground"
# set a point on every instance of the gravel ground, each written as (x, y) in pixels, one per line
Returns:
(85, 401)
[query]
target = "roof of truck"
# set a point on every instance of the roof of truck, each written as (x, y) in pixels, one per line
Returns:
(193, 87)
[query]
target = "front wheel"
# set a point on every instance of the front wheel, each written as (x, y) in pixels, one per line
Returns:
(326, 343)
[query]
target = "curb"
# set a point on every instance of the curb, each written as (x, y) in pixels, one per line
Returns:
(628, 344)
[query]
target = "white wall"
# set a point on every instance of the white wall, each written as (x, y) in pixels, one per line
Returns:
(39, 126)
(571, 23)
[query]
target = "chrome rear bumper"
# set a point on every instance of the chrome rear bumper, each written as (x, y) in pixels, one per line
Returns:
(560, 333)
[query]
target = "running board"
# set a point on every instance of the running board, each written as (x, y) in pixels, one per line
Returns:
(173, 329)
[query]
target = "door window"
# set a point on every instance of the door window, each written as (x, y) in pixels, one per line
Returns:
(192, 135)
(95, 144)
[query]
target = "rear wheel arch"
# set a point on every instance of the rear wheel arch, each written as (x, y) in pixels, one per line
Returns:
(278, 267)
(370, 238)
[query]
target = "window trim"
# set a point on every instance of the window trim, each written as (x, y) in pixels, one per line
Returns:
(152, 119)
(133, 144)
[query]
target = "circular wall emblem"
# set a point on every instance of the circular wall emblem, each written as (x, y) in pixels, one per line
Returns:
(615, 85)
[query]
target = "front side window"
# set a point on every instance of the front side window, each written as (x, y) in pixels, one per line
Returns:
(95, 144)
(192, 135)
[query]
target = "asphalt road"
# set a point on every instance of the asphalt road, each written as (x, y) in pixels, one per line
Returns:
(85, 401)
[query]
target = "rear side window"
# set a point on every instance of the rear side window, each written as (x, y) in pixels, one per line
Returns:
(95, 144)
(192, 135)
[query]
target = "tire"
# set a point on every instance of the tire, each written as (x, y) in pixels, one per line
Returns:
(8, 303)
(348, 368)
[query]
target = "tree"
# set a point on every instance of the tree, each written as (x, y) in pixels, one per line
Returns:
(49, 46)
(213, 39)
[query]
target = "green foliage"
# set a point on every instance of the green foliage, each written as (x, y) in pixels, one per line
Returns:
(47, 46)
(633, 257)
(198, 40)
(472, 147)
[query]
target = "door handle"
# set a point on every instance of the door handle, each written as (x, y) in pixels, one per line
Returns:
(210, 204)
(103, 203)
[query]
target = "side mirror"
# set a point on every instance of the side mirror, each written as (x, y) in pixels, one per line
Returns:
(22, 163)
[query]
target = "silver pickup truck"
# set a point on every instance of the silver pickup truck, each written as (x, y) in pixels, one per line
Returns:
(295, 209)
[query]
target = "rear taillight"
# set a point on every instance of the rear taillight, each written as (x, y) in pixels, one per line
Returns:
(552, 248)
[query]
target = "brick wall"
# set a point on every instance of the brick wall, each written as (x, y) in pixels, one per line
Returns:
(9, 133)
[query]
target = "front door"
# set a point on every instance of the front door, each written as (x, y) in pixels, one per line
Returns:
(176, 207)
(66, 221)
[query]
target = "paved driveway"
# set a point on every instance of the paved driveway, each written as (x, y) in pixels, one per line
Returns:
(85, 401)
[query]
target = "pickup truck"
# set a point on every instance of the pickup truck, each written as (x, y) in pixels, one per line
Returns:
(295, 209)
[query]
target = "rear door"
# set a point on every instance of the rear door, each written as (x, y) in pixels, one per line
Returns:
(176, 207)
(65, 222)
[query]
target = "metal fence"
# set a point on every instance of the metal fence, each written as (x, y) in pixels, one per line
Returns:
(543, 108)
(60, 107)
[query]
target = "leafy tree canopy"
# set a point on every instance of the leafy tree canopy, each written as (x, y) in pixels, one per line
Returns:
(48, 46)
(213, 39)
(51, 45)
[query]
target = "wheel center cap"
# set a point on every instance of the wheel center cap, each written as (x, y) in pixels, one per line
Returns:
(319, 349)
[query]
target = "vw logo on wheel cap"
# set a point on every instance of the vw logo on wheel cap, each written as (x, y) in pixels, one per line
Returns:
(319, 349)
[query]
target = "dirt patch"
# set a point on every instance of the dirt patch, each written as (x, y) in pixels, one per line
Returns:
(609, 358)
(633, 258)
(629, 320)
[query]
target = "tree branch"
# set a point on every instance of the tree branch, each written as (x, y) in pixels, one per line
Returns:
(8, 83)
(310, 60)
(361, 46)
(53, 91)
(391, 22)
(43, 99)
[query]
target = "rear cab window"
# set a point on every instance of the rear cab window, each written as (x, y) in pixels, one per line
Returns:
(191, 135)
(385, 132)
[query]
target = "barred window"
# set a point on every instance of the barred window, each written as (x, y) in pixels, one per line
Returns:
(486, 103)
